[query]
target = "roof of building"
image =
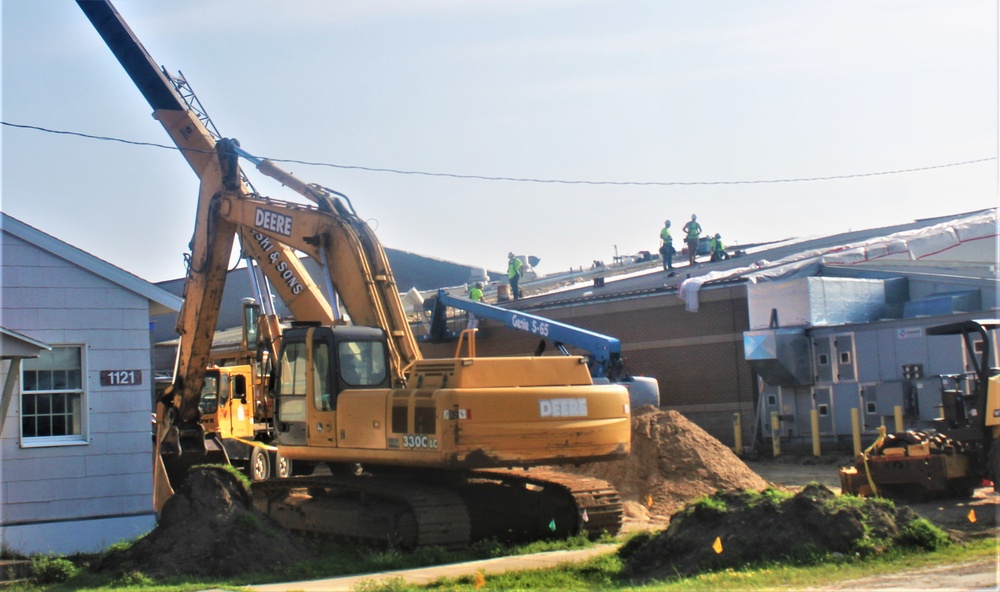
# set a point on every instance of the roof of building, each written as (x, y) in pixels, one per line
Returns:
(921, 246)
(160, 300)
(18, 345)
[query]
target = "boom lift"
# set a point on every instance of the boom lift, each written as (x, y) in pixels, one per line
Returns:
(606, 362)
(361, 394)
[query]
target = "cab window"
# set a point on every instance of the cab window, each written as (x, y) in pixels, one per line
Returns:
(209, 401)
(322, 393)
(361, 363)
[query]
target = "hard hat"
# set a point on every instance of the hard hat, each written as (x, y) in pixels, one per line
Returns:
(717, 235)
(511, 254)
(479, 285)
(694, 217)
(667, 223)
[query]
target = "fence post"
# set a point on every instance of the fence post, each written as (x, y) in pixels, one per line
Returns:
(775, 434)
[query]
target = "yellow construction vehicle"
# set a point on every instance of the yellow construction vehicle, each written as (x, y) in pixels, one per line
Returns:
(236, 408)
(960, 451)
(421, 452)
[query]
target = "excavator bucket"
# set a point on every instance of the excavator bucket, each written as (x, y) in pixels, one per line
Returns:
(176, 450)
(162, 489)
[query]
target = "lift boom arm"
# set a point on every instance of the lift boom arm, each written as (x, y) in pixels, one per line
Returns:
(605, 351)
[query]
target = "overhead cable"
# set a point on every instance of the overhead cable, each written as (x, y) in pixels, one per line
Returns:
(527, 179)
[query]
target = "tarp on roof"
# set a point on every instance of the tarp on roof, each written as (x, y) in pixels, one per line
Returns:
(936, 241)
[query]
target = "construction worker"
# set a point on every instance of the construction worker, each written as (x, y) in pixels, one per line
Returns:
(514, 266)
(666, 247)
(693, 231)
(475, 295)
(718, 249)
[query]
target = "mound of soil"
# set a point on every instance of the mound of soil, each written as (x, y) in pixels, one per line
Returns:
(210, 528)
(673, 461)
(731, 529)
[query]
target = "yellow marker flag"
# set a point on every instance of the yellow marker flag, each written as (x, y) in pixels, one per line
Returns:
(972, 515)
(717, 545)
(649, 501)
(480, 580)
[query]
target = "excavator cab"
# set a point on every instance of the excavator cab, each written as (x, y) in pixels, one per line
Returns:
(314, 366)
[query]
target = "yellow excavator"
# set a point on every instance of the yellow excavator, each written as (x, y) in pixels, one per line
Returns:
(420, 451)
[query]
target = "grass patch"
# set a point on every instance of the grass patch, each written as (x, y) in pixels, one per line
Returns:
(58, 574)
(604, 572)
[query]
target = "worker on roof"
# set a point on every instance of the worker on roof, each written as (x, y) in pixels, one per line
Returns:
(475, 295)
(718, 249)
(693, 232)
(514, 266)
(666, 247)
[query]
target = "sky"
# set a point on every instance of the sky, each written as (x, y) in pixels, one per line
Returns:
(641, 110)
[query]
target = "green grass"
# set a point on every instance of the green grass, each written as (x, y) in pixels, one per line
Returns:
(599, 573)
(59, 574)
(603, 573)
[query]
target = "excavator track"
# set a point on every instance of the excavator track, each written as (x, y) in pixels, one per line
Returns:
(449, 509)
(371, 508)
(595, 504)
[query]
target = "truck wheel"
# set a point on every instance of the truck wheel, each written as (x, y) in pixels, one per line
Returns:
(260, 465)
(283, 467)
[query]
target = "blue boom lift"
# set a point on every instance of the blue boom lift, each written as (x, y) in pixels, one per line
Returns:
(606, 363)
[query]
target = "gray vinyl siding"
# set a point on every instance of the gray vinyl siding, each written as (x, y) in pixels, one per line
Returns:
(60, 303)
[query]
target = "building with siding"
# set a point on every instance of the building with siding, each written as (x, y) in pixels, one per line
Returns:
(76, 470)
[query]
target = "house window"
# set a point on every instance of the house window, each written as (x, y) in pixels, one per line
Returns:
(53, 406)
(845, 357)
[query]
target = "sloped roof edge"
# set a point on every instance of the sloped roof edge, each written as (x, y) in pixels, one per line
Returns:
(161, 301)
(19, 345)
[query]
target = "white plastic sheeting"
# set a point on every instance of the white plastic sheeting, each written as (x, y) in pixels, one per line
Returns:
(972, 238)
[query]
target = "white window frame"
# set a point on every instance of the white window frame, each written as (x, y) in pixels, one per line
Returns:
(80, 439)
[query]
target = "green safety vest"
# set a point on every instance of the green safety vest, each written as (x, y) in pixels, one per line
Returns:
(665, 235)
(475, 294)
(514, 267)
(693, 229)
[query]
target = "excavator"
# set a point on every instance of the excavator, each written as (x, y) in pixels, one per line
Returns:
(420, 451)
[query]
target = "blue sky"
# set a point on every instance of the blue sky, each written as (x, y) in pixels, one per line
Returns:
(623, 91)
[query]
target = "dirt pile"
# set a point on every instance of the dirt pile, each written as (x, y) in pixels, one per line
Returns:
(731, 529)
(210, 528)
(673, 462)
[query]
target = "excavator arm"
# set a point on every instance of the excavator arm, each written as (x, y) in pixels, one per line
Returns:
(270, 233)
(177, 415)
(352, 257)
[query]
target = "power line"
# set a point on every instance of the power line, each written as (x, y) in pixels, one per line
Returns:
(527, 179)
